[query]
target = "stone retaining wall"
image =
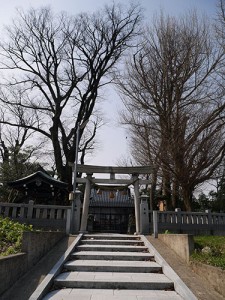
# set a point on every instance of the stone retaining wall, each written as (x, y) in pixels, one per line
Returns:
(34, 246)
(11, 268)
(182, 244)
(215, 276)
(37, 244)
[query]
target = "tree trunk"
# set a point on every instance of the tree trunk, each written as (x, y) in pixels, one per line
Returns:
(167, 189)
(153, 190)
(187, 197)
(67, 176)
(175, 194)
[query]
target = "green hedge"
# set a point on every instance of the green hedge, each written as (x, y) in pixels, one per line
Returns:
(11, 236)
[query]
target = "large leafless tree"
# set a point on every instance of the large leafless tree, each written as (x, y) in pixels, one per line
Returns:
(174, 80)
(53, 68)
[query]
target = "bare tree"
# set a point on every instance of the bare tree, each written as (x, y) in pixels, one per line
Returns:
(140, 143)
(173, 78)
(58, 64)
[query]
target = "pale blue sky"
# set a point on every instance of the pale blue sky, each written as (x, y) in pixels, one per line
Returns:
(112, 138)
(75, 6)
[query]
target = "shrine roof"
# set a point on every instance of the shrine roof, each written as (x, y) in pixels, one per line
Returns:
(37, 178)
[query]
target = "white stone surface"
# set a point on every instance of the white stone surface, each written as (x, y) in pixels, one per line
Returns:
(111, 253)
(112, 276)
(119, 263)
(102, 279)
(109, 294)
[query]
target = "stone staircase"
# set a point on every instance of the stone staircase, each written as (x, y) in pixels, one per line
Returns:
(112, 267)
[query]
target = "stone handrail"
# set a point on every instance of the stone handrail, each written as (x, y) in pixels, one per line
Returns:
(203, 218)
(188, 222)
(55, 216)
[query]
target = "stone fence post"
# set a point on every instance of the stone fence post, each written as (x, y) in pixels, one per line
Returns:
(68, 221)
(208, 211)
(77, 211)
(144, 215)
(209, 218)
(155, 223)
(178, 219)
(30, 209)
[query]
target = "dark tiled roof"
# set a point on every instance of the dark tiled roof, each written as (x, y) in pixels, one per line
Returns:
(44, 177)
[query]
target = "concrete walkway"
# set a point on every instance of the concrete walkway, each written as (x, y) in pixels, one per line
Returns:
(24, 287)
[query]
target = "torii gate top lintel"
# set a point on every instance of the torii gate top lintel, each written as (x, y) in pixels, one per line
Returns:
(90, 169)
(135, 171)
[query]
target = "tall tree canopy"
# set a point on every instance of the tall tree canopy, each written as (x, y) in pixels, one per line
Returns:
(53, 68)
(174, 82)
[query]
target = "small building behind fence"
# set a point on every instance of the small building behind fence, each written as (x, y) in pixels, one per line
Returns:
(41, 188)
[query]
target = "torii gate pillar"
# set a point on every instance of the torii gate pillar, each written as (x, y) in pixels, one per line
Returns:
(84, 218)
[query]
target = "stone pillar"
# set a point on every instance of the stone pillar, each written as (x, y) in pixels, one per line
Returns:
(30, 209)
(155, 224)
(68, 221)
(137, 203)
(84, 218)
(179, 220)
(77, 206)
(209, 221)
(144, 215)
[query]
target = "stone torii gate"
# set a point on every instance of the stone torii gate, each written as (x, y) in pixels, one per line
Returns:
(112, 171)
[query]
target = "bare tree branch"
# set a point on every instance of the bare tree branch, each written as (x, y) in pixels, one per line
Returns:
(59, 63)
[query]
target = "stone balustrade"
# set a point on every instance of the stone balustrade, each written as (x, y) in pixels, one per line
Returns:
(189, 222)
(53, 217)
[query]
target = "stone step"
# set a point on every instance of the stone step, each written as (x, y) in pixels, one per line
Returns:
(111, 242)
(114, 280)
(112, 248)
(109, 255)
(113, 272)
(111, 237)
(113, 266)
(110, 294)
